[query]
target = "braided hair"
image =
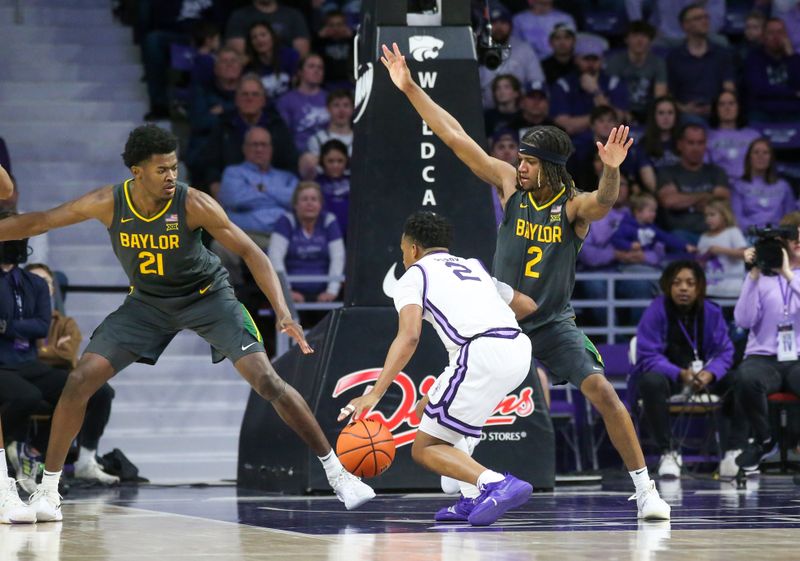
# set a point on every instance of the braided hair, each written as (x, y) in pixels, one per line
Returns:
(555, 140)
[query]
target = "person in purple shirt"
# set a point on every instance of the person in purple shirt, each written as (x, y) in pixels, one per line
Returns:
(275, 63)
(574, 96)
(773, 77)
(304, 108)
(769, 306)
(334, 181)
(534, 25)
(698, 70)
(638, 231)
(682, 346)
(760, 197)
(308, 241)
(729, 138)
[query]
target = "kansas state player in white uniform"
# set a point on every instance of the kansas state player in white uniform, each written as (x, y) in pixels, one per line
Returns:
(488, 359)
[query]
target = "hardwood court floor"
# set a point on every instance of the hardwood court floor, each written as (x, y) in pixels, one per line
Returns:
(710, 520)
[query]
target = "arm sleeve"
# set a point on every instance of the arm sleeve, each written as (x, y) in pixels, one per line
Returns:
(747, 312)
(408, 289)
(651, 344)
(37, 326)
(336, 267)
(505, 291)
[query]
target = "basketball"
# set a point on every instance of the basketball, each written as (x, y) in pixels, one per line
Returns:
(365, 448)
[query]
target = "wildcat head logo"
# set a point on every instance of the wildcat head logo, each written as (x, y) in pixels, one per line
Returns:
(424, 47)
(363, 90)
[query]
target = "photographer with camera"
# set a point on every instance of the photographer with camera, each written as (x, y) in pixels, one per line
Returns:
(26, 381)
(769, 306)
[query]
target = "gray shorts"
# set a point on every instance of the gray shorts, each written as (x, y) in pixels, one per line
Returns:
(566, 352)
(140, 329)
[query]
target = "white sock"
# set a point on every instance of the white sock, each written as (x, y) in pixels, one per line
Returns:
(85, 455)
(489, 476)
(331, 464)
(50, 481)
(3, 466)
(641, 479)
(468, 490)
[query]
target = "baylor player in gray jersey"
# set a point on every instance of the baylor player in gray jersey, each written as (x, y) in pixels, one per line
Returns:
(155, 224)
(546, 220)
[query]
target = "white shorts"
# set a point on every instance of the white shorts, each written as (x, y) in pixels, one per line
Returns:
(485, 371)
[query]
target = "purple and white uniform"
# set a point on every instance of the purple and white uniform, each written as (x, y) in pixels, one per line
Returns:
(488, 357)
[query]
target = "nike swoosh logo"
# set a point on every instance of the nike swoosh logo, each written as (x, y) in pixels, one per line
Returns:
(523, 205)
(124, 220)
(204, 290)
(390, 281)
(245, 347)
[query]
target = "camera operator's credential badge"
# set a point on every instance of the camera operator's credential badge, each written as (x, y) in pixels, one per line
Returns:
(787, 342)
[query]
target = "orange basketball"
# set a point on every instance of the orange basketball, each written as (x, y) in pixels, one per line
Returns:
(365, 448)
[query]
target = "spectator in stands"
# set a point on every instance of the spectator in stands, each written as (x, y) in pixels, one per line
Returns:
(644, 73)
(340, 127)
(668, 17)
(521, 61)
(729, 138)
(698, 70)
(254, 194)
(206, 42)
(334, 42)
(275, 63)
(334, 181)
(171, 21)
(26, 381)
(535, 25)
(224, 146)
(506, 93)
(562, 62)
(308, 241)
(304, 107)
(772, 75)
(287, 22)
(682, 346)
(534, 110)
(789, 12)
(638, 231)
(503, 145)
(60, 348)
(660, 145)
(760, 197)
(598, 254)
(721, 250)
(769, 306)
(574, 96)
(212, 100)
(686, 187)
(753, 38)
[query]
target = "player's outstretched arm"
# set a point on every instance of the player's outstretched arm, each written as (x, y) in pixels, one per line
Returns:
(496, 172)
(203, 211)
(594, 206)
(6, 185)
(400, 352)
(97, 204)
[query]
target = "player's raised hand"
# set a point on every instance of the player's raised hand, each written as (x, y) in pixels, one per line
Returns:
(295, 331)
(615, 150)
(395, 62)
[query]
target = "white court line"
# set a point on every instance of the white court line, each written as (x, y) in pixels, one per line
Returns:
(323, 537)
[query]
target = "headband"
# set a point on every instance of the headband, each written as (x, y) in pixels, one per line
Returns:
(552, 157)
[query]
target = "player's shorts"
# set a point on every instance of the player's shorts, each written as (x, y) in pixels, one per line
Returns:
(487, 368)
(140, 329)
(566, 352)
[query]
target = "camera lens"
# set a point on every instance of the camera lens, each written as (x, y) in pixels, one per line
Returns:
(492, 59)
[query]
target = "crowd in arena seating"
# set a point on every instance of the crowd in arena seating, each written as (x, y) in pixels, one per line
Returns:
(262, 94)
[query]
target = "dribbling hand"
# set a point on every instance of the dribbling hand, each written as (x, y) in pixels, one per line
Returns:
(395, 62)
(615, 150)
(358, 406)
(295, 331)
